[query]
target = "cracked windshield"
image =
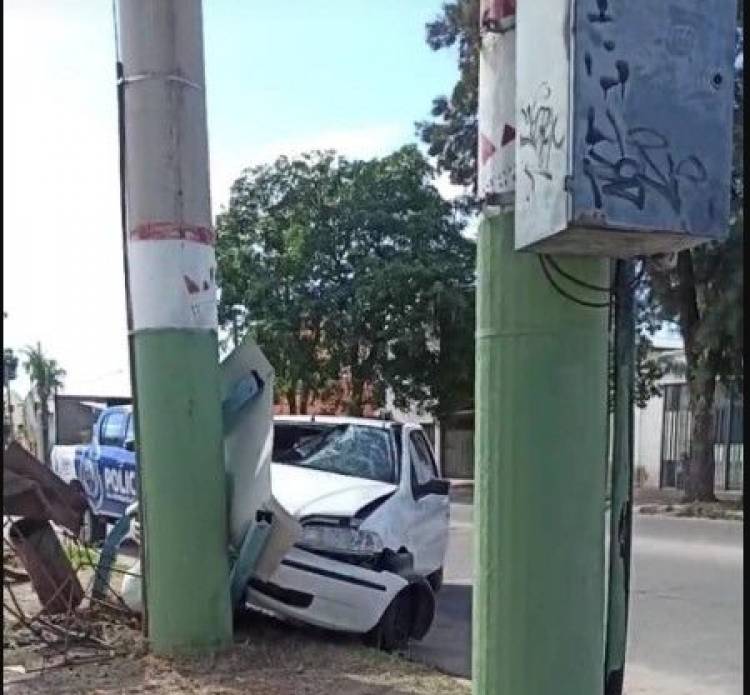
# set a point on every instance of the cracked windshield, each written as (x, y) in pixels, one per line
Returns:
(362, 452)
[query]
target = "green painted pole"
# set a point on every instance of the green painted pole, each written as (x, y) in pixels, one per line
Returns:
(540, 475)
(172, 292)
(621, 514)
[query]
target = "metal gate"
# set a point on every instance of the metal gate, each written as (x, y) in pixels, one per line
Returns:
(728, 441)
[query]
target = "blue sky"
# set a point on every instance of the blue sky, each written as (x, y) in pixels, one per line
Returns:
(281, 78)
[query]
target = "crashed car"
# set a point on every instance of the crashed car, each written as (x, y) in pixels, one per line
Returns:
(374, 516)
(337, 522)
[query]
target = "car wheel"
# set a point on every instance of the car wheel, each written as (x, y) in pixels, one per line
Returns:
(436, 580)
(93, 528)
(394, 628)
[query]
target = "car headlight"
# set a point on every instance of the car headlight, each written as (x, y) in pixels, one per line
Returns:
(341, 539)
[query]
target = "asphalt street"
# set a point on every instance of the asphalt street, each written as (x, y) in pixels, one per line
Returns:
(685, 633)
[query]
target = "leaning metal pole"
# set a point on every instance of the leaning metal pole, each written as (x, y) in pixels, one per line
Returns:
(538, 608)
(172, 288)
(621, 514)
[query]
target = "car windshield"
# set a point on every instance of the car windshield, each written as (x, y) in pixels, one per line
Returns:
(346, 449)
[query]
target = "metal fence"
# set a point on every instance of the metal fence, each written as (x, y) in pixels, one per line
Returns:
(728, 442)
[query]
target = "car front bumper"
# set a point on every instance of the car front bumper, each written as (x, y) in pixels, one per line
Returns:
(327, 593)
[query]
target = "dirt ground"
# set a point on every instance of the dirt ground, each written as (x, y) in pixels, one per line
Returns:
(268, 657)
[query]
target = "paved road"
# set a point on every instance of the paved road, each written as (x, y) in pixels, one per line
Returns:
(686, 611)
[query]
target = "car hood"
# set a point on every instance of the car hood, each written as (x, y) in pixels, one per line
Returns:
(305, 491)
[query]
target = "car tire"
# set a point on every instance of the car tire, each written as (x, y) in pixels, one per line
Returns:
(93, 528)
(394, 628)
(435, 580)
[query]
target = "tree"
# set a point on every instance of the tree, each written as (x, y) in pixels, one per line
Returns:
(702, 292)
(347, 268)
(271, 245)
(46, 377)
(452, 138)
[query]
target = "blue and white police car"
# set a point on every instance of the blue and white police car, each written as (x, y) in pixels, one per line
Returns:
(105, 469)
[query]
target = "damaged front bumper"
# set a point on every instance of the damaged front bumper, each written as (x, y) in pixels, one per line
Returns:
(326, 592)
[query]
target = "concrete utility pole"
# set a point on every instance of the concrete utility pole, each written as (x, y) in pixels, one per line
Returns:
(172, 290)
(538, 622)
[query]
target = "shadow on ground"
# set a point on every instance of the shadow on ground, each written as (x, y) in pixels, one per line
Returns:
(448, 642)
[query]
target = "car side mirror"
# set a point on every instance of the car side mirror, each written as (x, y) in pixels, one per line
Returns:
(436, 486)
(130, 444)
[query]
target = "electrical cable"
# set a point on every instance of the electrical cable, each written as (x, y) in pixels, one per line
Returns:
(567, 295)
(597, 288)
(572, 278)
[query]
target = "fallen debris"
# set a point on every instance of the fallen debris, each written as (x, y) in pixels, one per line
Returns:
(49, 569)
(33, 491)
(51, 620)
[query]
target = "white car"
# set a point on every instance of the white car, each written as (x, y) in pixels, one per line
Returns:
(375, 518)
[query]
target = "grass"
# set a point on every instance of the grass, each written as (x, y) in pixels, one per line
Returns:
(268, 656)
(81, 555)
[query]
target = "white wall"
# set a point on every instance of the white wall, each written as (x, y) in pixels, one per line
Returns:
(647, 435)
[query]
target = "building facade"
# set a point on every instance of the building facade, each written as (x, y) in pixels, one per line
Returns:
(663, 433)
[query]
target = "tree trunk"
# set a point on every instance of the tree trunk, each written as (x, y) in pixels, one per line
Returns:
(354, 407)
(305, 397)
(701, 379)
(45, 434)
(291, 399)
(699, 481)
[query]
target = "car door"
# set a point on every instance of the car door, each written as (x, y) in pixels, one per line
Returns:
(429, 503)
(112, 454)
(127, 454)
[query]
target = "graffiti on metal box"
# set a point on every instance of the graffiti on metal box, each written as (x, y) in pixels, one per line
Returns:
(642, 161)
(622, 162)
(540, 133)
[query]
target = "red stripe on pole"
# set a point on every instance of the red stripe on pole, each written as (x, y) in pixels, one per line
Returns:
(170, 231)
(495, 10)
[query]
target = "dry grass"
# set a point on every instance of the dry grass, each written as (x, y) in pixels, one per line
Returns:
(268, 657)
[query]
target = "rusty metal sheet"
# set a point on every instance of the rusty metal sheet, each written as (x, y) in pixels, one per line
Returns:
(33, 491)
(52, 577)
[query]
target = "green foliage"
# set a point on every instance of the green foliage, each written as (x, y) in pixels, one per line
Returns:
(45, 374)
(452, 136)
(350, 267)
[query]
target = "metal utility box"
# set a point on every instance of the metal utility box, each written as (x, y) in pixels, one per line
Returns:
(624, 125)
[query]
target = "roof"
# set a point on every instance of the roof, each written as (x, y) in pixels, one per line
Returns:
(336, 420)
(120, 408)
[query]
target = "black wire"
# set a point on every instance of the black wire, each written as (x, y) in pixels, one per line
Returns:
(588, 285)
(567, 295)
(577, 281)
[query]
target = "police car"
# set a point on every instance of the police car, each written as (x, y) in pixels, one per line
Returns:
(105, 470)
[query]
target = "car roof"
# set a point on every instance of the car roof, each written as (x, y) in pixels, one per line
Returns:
(118, 409)
(335, 420)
